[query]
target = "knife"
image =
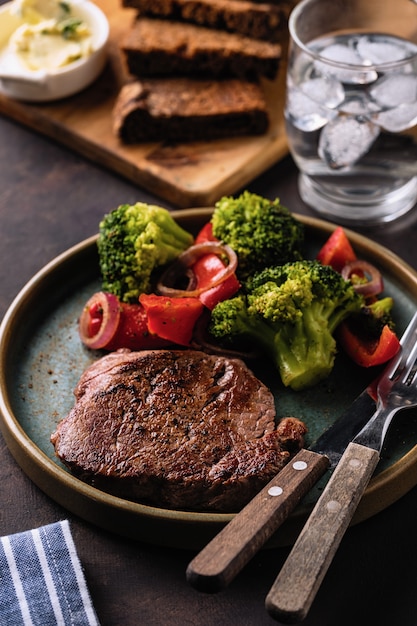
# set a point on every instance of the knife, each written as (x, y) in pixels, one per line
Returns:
(232, 548)
(295, 588)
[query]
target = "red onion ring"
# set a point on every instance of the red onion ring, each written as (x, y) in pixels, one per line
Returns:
(183, 264)
(110, 311)
(374, 282)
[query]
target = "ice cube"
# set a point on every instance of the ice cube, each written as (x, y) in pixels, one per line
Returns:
(358, 103)
(341, 54)
(324, 90)
(379, 52)
(397, 119)
(345, 140)
(395, 89)
(346, 55)
(300, 67)
(305, 113)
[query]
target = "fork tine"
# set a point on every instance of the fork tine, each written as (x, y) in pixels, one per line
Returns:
(408, 346)
(410, 363)
(413, 377)
(408, 360)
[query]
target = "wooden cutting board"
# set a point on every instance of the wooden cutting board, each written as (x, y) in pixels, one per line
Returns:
(187, 174)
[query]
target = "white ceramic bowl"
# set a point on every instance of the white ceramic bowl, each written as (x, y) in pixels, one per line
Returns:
(48, 85)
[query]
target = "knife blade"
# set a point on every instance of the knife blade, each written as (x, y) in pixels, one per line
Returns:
(231, 549)
(295, 588)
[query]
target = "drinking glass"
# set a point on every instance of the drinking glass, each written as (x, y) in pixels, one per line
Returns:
(351, 107)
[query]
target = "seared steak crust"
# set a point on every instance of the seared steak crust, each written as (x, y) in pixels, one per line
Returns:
(177, 429)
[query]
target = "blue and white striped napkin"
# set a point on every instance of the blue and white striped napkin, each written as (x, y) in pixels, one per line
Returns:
(41, 580)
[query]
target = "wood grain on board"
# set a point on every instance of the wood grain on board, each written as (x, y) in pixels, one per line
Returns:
(186, 174)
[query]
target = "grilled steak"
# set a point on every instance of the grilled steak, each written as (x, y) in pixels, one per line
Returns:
(178, 429)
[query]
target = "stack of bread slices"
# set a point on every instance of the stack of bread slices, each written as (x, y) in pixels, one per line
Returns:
(196, 68)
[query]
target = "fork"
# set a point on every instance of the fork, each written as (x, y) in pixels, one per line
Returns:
(295, 588)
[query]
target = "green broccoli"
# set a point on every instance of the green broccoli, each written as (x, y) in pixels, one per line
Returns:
(372, 317)
(261, 232)
(134, 240)
(291, 311)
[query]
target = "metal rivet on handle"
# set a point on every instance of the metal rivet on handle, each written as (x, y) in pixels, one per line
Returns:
(299, 465)
(275, 491)
(333, 506)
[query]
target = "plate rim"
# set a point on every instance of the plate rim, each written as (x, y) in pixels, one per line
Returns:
(46, 474)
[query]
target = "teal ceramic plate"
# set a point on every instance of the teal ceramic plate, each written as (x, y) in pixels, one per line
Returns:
(41, 359)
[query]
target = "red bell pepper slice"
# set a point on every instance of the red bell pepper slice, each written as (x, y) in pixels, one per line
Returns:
(206, 269)
(337, 251)
(133, 331)
(205, 234)
(108, 324)
(172, 319)
(221, 292)
(368, 352)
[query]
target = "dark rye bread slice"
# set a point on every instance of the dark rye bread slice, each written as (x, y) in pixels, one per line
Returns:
(183, 109)
(154, 47)
(178, 429)
(264, 21)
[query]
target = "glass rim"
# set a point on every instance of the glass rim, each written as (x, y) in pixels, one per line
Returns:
(294, 16)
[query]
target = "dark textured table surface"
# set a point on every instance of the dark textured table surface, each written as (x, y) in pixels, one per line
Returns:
(50, 199)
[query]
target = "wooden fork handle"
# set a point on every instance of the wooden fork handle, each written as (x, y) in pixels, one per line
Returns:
(223, 558)
(295, 588)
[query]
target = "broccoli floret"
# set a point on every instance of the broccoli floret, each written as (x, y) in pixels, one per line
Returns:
(262, 232)
(291, 311)
(371, 319)
(134, 240)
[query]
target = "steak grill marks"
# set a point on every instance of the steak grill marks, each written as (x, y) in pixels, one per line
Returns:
(177, 429)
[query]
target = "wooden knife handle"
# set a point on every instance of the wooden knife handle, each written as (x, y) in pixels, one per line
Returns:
(223, 558)
(294, 590)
